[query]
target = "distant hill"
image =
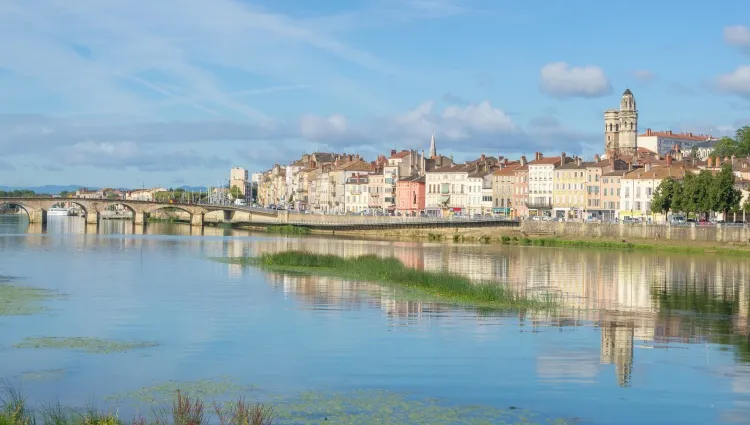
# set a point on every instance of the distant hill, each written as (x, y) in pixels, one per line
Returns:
(55, 190)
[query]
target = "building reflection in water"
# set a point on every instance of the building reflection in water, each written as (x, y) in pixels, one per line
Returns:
(636, 299)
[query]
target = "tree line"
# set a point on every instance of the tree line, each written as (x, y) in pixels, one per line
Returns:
(17, 193)
(737, 146)
(701, 194)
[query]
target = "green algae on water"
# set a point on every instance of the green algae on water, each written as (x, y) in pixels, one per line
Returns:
(370, 407)
(43, 375)
(90, 345)
(163, 392)
(18, 300)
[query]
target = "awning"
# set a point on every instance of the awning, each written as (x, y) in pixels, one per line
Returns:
(445, 199)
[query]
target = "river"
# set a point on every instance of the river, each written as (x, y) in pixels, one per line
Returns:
(641, 338)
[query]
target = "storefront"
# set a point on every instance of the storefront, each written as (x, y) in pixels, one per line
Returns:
(501, 211)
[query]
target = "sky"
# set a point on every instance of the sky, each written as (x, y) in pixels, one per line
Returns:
(131, 93)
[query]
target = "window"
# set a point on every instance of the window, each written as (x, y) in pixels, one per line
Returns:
(648, 191)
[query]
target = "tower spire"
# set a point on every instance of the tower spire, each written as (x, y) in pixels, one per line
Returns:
(433, 151)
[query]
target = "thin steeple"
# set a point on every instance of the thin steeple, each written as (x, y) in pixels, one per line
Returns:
(433, 151)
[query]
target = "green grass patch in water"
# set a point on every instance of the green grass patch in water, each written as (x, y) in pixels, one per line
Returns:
(288, 230)
(90, 345)
(43, 375)
(445, 286)
(17, 300)
(163, 392)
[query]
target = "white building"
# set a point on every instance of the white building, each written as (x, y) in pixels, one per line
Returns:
(446, 188)
(637, 188)
(357, 189)
(662, 142)
(541, 175)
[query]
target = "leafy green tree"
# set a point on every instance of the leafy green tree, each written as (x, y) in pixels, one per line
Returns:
(738, 146)
(236, 192)
(686, 202)
(702, 196)
(723, 196)
(664, 196)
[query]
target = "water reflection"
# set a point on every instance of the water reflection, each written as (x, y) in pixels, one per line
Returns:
(631, 322)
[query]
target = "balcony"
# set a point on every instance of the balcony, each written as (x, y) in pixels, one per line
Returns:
(539, 205)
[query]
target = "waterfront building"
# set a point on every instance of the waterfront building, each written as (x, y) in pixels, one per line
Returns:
(638, 186)
(502, 188)
(569, 189)
(541, 176)
(621, 127)
(357, 198)
(377, 191)
(610, 194)
(410, 195)
(520, 199)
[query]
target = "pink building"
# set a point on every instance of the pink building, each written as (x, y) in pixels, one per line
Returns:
(410, 196)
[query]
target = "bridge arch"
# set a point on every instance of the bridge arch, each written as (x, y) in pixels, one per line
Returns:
(20, 205)
(84, 208)
(133, 210)
(189, 211)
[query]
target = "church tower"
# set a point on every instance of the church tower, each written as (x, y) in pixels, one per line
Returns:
(611, 131)
(433, 151)
(628, 124)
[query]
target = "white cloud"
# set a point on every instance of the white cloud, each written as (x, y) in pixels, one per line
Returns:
(736, 82)
(560, 80)
(644, 75)
(738, 36)
(142, 53)
(126, 154)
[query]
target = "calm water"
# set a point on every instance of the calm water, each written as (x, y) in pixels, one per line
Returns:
(644, 338)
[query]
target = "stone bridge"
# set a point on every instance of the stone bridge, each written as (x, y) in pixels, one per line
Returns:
(37, 207)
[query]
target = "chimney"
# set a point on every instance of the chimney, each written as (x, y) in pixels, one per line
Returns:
(630, 165)
(676, 147)
(717, 162)
(393, 152)
(506, 161)
(482, 157)
(537, 156)
(578, 161)
(597, 158)
(669, 160)
(523, 160)
(709, 162)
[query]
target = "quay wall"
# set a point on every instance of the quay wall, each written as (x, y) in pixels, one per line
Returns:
(692, 232)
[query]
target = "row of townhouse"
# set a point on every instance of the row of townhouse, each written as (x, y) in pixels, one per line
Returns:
(410, 183)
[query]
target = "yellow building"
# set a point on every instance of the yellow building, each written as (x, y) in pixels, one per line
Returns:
(569, 190)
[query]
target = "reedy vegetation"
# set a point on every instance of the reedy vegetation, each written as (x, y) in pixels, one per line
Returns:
(186, 410)
(443, 285)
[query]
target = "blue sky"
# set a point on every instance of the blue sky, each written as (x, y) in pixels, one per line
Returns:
(131, 92)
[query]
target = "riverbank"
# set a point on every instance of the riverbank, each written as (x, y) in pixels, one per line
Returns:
(535, 236)
(444, 286)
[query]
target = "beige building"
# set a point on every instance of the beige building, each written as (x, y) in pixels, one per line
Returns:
(569, 190)
(663, 142)
(595, 204)
(502, 188)
(238, 177)
(621, 127)
(610, 194)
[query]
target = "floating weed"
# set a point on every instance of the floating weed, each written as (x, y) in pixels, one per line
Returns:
(17, 300)
(384, 407)
(448, 287)
(163, 392)
(91, 345)
(43, 375)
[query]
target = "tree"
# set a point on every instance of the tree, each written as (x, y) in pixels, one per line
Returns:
(738, 146)
(686, 201)
(723, 196)
(235, 192)
(702, 195)
(665, 196)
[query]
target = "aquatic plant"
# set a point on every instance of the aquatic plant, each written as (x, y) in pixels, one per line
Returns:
(162, 392)
(443, 285)
(288, 230)
(91, 345)
(42, 375)
(186, 410)
(16, 300)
